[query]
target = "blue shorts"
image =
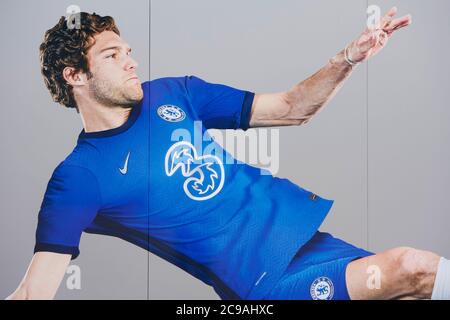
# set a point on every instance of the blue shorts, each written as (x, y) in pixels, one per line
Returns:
(317, 272)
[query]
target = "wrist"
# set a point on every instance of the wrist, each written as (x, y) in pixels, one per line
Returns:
(341, 61)
(349, 58)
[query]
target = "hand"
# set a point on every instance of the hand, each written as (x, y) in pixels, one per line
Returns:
(373, 40)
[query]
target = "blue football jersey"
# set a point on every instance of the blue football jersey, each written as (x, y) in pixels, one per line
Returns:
(155, 183)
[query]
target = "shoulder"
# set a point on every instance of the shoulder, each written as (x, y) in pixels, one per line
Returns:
(85, 155)
(79, 166)
(73, 173)
(171, 81)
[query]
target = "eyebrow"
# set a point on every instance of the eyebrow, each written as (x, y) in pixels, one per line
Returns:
(114, 48)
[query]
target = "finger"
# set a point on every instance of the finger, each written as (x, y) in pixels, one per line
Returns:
(383, 20)
(382, 39)
(398, 23)
(387, 17)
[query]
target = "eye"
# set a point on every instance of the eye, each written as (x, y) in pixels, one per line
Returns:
(111, 56)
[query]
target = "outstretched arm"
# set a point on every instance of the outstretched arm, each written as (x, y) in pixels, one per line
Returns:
(298, 105)
(43, 277)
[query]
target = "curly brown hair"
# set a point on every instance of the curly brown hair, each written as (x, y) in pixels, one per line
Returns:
(67, 47)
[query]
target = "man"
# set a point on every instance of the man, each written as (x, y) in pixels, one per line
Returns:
(136, 175)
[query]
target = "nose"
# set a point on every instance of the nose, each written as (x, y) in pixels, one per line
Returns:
(131, 64)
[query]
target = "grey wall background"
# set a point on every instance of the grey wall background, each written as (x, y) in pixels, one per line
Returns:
(36, 134)
(379, 149)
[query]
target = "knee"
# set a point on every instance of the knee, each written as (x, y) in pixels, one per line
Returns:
(415, 269)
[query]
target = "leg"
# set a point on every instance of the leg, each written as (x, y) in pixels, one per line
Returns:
(406, 273)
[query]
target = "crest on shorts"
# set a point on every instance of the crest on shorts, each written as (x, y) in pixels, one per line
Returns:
(322, 289)
(171, 113)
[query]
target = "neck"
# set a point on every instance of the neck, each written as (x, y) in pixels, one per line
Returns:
(98, 117)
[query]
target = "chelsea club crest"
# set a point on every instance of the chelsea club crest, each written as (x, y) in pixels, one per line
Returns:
(171, 113)
(322, 289)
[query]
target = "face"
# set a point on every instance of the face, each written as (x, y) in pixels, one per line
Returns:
(113, 78)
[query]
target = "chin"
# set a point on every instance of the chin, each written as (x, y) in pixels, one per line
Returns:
(135, 94)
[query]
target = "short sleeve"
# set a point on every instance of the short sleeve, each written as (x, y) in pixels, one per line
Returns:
(71, 202)
(219, 106)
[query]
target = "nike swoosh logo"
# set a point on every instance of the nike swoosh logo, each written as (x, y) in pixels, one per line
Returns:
(125, 166)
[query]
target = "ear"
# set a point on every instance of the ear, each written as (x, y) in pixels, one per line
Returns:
(73, 77)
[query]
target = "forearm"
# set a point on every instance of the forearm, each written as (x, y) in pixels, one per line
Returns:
(19, 294)
(30, 291)
(311, 95)
(43, 276)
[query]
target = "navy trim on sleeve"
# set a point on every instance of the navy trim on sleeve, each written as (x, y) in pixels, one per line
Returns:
(246, 110)
(74, 251)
